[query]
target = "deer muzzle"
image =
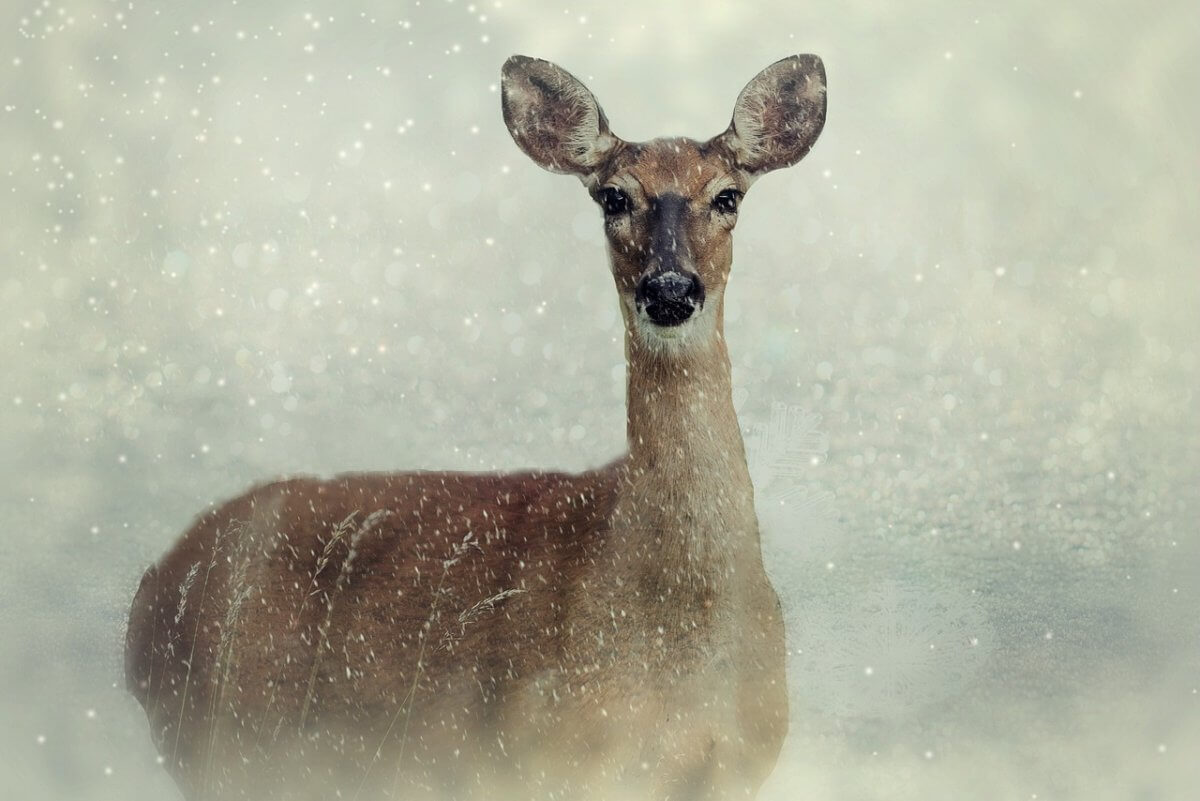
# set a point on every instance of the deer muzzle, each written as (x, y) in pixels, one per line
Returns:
(669, 297)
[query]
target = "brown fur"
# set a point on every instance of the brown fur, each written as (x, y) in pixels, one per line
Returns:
(605, 635)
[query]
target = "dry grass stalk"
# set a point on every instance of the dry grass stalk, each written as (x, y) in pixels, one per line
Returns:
(343, 579)
(457, 551)
(469, 616)
(187, 680)
(239, 592)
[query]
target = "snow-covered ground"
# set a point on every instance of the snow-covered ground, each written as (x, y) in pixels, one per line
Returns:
(246, 239)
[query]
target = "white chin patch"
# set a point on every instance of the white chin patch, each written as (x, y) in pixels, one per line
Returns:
(674, 338)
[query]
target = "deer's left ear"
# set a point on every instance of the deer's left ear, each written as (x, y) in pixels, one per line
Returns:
(779, 115)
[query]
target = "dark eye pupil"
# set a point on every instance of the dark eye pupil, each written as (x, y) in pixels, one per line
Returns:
(727, 201)
(614, 201)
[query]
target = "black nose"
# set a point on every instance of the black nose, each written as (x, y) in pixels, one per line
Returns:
(670, 297)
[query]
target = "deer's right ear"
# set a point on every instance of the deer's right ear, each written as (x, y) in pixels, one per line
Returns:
(553, 117)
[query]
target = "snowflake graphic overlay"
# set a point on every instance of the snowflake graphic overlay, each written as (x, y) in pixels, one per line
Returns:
(888, 651)
(879, 651)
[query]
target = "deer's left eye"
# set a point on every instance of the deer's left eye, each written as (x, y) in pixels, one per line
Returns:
(726, 201)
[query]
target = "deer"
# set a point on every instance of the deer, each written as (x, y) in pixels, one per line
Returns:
(610, 634)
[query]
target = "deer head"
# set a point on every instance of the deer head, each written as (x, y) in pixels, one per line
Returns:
(670, 205)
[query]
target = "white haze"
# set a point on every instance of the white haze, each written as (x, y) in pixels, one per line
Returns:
(243, 239)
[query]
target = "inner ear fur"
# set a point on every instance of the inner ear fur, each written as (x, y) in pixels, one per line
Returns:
(778, 116)
(553, 117)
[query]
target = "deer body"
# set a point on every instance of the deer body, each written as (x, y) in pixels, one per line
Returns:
(605, 635)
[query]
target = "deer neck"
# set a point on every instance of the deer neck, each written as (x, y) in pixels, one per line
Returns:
(688, 484)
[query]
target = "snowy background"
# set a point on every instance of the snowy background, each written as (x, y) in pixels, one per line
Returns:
(247, 238)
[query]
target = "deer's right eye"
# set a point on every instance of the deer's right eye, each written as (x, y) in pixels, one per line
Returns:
(614, 201)
(727, 202)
